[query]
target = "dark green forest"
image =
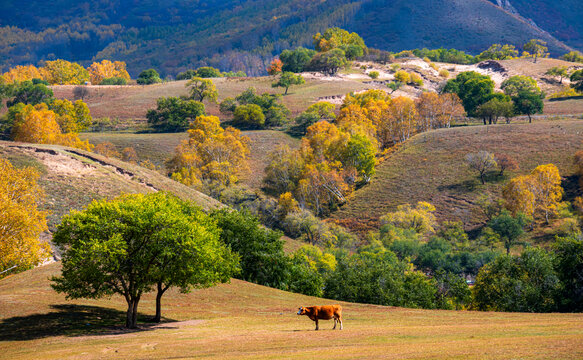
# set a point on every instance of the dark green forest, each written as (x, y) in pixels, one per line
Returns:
(176, 35)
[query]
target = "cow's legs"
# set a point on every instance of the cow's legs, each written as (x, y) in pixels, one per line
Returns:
(340, 319)
(316, 324)
(334, 324)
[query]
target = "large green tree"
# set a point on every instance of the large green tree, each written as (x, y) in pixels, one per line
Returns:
(136, 242)
(201, 89)
(174, 114)
(526, 283)
(528, 103)
(328, 62)
(473, 89)
(296, 60)
(287, 79)
(509, 228)
(148, 77)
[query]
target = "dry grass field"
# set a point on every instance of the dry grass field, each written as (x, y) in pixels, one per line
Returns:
(246, 321)
(130, 103)
(431, 167)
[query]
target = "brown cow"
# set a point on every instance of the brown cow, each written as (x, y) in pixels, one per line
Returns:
(325, 312)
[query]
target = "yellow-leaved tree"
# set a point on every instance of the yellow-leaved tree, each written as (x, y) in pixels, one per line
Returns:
(21, 222)
(98, 71)
(419, 218)
(354, 119)
(39, 125)
(539, 192)
(62, 72)
(211, 154)
(72, 117)
(21, 73)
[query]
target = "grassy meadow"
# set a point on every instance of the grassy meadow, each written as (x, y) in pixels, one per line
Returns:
(247, 321)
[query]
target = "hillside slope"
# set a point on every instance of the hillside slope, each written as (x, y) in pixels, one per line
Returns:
(561, 18)
(132, 102)
(431, 167)
(246, 321)
(72, 178)
(244, 35)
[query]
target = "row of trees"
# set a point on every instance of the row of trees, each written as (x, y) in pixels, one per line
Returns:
(334, 49)
(207, 72)
(521, 96)
(62, 72)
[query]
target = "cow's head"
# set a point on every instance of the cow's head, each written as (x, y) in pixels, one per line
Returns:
(302, 310)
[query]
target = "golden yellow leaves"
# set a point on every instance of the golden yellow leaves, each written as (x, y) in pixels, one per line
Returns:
(211, 154)
(538, 192)
(107, 69)
(21, 222)
(37, 124)
(62, 72)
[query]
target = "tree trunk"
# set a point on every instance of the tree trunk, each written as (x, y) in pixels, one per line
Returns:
(132, 313)
(529, 118)
(159, 294)
(286, 90)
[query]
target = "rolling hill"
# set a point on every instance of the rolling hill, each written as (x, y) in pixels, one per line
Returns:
(244, 35)
(72, 178)
(247, 321)
(431, 167)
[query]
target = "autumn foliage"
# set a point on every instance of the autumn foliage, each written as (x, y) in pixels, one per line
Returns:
(22, 73)
(211, 154)
(275, 67)
(106, 69)
(37, 124)
(62, 72)
(21, 222)
(538, 193)
(335, 158)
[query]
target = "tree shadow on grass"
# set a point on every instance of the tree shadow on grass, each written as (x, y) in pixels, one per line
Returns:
(471, 185)
(71, 320)
(463, 187)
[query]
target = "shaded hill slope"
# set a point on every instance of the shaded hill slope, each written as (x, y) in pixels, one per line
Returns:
(243, 35)
(72, 178)
(431, 167)
(246, 321)
(561, 18)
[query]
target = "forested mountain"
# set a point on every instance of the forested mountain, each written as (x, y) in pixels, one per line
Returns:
(174, 35)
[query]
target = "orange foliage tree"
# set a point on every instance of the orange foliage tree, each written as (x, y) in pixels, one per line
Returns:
(21, 222)
(275, 67)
